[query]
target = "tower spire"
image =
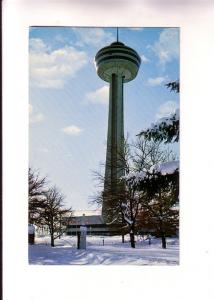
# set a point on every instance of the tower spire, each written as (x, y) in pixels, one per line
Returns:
(117, 34)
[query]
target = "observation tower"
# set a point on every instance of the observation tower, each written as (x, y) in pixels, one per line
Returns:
(116, 64)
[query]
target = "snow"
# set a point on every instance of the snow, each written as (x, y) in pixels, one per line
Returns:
(124, 207)
(80, 213)
(136, 175)
(127, 219)
(167, 120)
(113, 252)
(133, 178)
(166, 168)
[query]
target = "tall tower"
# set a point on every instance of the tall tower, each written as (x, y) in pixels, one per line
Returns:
(116, 64)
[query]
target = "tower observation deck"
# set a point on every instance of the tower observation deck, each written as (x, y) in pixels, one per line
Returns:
(116, 64)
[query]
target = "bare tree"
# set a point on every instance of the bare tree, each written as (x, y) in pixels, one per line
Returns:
(112, 199)
(36, 192)
(150, 153)
(130, 209)
(123, 202)
(35, 183)
(53, 213)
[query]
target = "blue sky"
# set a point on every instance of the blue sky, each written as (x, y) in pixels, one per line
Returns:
(68, 102)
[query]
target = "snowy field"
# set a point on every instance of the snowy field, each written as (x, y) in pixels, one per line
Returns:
(113, 252)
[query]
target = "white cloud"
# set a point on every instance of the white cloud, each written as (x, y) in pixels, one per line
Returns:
(35, 117)
(101, 95)
(167, 47)
(144, 59)
(156, 81)
(37, 45)
(72, 130)
(93, 36)
(167, 109)
(50, 69)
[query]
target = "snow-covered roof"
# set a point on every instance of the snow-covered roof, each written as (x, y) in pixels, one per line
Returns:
(79, 213)
(87, 220)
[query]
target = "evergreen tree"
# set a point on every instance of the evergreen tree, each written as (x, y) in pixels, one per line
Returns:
(174, 86)
(166, 129)
(160, 205)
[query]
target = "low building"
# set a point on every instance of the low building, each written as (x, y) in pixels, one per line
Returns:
(93, 220)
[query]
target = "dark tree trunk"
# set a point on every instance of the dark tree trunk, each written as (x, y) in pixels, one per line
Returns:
(162, 227)
(132, 240)
(163, 238)
(123, 240)
(78, 240)
(52, 240)
(52, 235)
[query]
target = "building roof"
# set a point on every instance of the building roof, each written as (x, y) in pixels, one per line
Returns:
(79, 213)
(86, 217)
(87, 220)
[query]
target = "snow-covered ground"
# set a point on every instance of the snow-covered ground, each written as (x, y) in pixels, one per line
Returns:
(113, 252)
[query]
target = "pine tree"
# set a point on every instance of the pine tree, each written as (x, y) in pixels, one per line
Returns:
(160, 205)
(166, 129)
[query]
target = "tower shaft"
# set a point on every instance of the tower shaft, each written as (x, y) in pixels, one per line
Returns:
(116, 64)
(115, 138)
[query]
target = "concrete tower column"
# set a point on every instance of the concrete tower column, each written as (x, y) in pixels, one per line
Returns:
(115, 138)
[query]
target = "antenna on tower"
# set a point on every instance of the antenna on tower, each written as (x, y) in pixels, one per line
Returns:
(117, 34)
